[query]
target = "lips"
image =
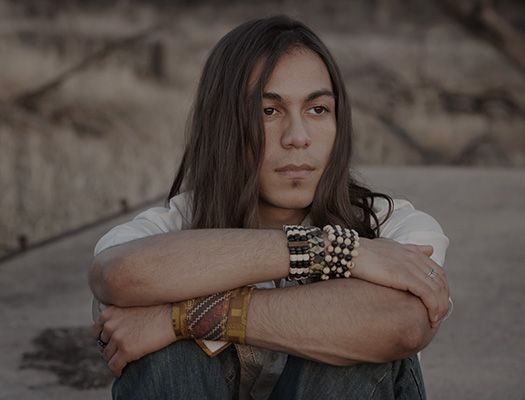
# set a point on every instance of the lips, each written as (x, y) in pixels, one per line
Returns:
(294, 171)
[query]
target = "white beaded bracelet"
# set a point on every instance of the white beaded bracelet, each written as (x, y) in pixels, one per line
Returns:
(340, 252)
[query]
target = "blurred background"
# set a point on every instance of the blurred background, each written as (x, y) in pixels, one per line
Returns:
(94, 93)
(93, 100)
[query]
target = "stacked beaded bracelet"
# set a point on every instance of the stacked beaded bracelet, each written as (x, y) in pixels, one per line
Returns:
(309, 258)
(306, 246)
(340, 253)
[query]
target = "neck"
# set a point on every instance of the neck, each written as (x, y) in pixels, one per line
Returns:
(276, 218)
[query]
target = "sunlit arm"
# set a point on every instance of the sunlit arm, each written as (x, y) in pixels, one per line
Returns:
(339, 322)
(182, 265)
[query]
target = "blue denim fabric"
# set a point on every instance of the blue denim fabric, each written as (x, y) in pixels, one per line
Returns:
(304, 379)
(183, 371)
(180, 371)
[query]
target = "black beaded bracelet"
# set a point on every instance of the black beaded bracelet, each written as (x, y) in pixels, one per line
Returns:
(306, 246)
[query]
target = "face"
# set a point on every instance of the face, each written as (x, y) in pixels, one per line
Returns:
(300, 126)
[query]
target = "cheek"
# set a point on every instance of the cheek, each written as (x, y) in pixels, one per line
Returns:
(325, 143)
(271, 142)
(264, 175)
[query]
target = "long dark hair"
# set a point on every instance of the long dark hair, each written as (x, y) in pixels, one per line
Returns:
(226, 135)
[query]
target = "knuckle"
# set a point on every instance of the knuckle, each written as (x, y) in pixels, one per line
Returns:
(126, 349)
(110, 327)
(114, 363)
(118, 337)
(106, 313)
(412, 256)
(95, 332)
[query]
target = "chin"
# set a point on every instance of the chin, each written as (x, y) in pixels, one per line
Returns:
(294, 202)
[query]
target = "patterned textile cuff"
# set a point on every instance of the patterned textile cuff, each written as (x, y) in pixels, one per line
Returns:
(238, 315)
(180, 324)
(217, 317)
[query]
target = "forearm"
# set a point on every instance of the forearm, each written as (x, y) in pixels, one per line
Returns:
(339, 322)
(187, 264)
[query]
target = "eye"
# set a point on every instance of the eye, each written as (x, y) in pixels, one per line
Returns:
(318, 110)
(269, 111)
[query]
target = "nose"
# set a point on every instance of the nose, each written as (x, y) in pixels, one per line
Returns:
(295, 133)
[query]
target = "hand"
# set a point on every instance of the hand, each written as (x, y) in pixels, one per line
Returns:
(131, 333)
(404, 267)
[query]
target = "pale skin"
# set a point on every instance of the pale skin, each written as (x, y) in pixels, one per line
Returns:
(391, 310)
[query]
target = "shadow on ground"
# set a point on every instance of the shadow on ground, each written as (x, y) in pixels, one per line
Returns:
(71, 355)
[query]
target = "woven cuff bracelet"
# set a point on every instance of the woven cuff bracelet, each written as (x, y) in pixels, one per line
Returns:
(220, 316)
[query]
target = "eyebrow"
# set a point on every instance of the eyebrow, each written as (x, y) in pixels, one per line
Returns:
(311, 96)
(320, 93)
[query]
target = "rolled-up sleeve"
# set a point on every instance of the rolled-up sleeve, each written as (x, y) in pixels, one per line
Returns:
(154, 221)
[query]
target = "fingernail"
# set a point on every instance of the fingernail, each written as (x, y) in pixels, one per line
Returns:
(436, 318)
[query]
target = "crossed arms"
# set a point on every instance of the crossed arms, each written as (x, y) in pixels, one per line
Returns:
(390, 311)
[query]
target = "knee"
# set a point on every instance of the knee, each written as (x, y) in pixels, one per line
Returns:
(180, 370)
(177, 358)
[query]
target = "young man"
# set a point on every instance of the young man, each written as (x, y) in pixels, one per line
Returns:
(269, 145)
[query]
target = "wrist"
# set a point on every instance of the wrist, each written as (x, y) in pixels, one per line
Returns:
(217, 317)
(364, 254)
(322, 254)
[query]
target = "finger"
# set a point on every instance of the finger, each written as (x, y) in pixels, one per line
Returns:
(105, 315)
(99, 324)
(444, 281)
(109, 351)
(426, 249)
(440, 285)
(441, 296)
(448, 309)
(416, 257)
(440, 313)
(117, 364)
(97, 328)
(436, 300)
(102, 342)
(429, 287)
(428, 291)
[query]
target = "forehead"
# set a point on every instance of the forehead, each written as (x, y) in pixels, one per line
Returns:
(301, 70)
(297, 69)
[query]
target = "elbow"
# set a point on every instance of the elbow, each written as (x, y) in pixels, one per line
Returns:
(412, 339)
(106, 280)
(414, 331)
(414, 335)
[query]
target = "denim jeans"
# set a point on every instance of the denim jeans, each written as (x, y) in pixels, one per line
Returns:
(183, 371)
